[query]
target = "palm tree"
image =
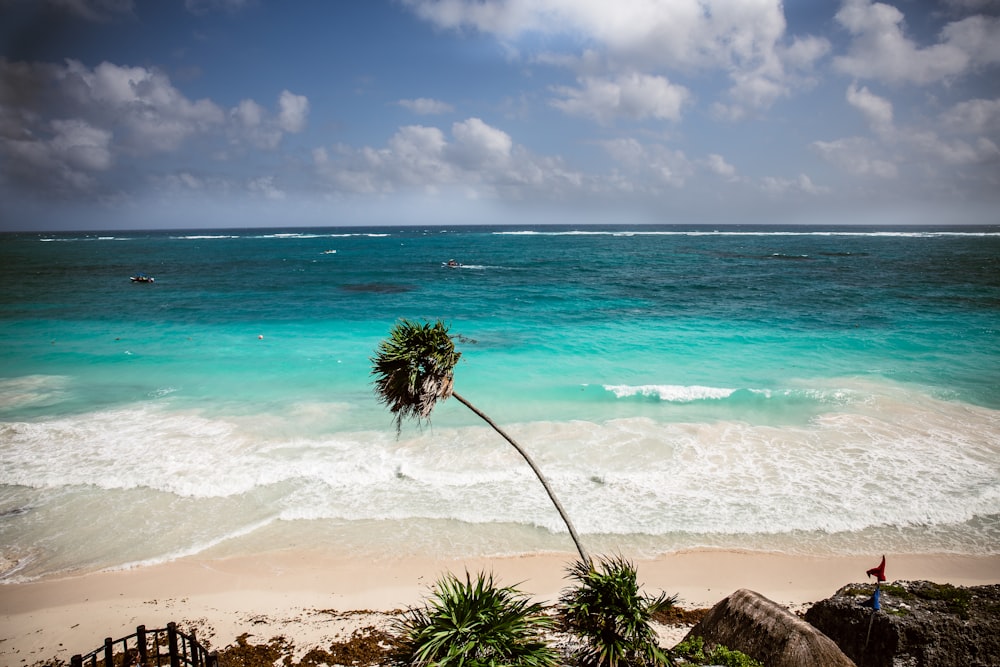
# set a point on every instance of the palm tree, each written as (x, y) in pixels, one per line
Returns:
(414, 367)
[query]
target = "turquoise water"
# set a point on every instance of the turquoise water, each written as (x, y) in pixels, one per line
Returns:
(802, 390)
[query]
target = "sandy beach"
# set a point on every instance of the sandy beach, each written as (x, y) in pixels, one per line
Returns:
(315, 598)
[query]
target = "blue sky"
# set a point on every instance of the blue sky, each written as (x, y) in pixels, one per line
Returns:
(208, 113)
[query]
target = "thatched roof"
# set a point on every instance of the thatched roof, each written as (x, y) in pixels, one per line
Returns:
(747, 621)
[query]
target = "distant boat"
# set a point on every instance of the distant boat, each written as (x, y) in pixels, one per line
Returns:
(452, 264)
(142, 278)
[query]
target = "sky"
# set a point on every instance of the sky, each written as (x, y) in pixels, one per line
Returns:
(132, 114)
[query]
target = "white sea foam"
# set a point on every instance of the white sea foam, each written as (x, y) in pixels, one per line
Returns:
(670, 392)
(75, 239)
(190, 480)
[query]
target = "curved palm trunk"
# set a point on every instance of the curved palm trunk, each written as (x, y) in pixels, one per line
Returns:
(538, 473)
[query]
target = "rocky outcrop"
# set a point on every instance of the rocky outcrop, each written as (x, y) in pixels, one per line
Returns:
(920, 624)
(748, 622)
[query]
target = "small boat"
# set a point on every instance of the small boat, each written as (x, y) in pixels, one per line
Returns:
(142, 278)
(452, 264)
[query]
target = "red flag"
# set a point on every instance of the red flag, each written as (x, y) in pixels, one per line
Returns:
(879, 571)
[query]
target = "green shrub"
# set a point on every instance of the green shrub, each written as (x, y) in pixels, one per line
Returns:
(475, 624)
(606, 610)
(693, 652)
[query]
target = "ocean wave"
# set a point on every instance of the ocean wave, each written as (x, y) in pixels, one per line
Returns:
(670, 393)
(202, 481)
(685, 394)
(73, 239)
(749, 233)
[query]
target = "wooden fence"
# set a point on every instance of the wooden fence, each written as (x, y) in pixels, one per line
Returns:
(147, 649)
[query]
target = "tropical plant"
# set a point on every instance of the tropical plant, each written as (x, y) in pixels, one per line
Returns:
(607, 611)
(415, 367)
(475, 624)
(693, 652)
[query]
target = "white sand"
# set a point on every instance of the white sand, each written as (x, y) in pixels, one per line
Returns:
(313, 599)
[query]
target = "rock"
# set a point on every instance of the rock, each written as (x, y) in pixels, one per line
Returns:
(920, 624)
(748, 622)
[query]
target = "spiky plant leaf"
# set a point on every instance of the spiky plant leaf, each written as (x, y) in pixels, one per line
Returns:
(606, 609)
(475, 624)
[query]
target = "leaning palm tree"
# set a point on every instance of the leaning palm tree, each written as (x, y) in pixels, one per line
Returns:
(415, 367)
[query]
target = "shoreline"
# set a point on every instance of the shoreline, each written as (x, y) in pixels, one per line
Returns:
(314, 598)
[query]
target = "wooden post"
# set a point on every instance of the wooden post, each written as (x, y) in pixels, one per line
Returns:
(195, 650)
(140, 639)
(76, 661)
(109, 652)
(213, 659)
(175, 658)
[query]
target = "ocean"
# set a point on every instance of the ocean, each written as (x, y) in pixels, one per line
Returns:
(794, 389)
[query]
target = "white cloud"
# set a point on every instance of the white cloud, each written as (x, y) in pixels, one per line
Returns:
(647, 167)
(782, 186)
(804, 52)
(479, 159)
(743, 38)
(881, 50)
(633, 96)
(718, 165)
(671, 32)
(755, 90)
(479, 145)
(64, 126)
(416, 156)
(929, 144)
(254, 124)
(974, 117)
(249, 124)
(80, 145)
(855, 156)
(65, 123)
(248, 113)
(293, 111)
(264, 186)
(978, 36)
(60, 163)
(877, 110)
(425, 106)
(154, 114)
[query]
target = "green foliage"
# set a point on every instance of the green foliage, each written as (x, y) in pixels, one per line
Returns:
(956, 599)
(476, 624)
(607, 611)
(413, 368)
(895, 590)
(693, 652)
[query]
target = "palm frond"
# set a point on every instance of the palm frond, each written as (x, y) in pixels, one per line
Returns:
(413, 368)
